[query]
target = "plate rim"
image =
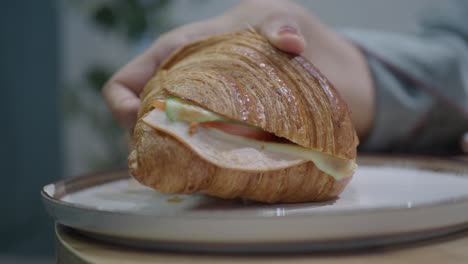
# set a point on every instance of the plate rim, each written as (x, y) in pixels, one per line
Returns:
(429, 162)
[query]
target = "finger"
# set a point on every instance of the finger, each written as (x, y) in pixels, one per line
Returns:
(181, 36)
(123, 89)
(283, 32)
(121, 92)
(123, 103)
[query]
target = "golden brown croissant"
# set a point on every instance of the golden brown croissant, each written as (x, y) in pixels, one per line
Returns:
(181, 144)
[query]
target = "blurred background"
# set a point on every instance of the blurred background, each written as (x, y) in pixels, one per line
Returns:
(55, 57)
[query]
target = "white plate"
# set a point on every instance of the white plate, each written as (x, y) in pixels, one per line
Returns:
(389, 200)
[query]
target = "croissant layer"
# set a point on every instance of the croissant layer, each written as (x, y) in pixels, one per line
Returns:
(167, 165)
(241, 77)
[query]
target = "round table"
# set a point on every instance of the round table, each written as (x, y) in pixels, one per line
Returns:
(74, 248)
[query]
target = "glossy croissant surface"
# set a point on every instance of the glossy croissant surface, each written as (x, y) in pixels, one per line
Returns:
(242, 77)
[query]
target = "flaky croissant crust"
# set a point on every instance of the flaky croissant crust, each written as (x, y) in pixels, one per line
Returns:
(241, 76)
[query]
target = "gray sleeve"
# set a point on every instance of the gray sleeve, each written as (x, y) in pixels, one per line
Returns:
(421, 83)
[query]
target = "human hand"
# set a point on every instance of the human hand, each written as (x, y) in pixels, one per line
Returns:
(286, 25)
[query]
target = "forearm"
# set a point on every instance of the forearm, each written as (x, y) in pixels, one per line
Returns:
(347, 69)
(421, 92)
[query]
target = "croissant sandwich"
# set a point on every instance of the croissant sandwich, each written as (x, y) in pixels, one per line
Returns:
(233, 117)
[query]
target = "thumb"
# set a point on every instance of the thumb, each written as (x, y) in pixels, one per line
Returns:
(284, 33)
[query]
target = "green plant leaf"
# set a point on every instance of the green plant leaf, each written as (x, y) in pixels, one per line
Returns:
(135, 19)
(97, 76)
(105, 17)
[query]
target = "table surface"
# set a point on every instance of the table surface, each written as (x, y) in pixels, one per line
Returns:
(73, 248)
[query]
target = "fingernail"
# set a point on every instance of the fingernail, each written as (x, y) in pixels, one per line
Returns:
(287, 30)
